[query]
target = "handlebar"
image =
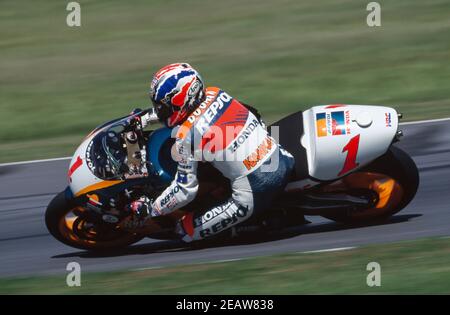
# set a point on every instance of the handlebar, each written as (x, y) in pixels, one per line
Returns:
(141, 118)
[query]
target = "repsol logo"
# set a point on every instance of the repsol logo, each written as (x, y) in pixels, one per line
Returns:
(169, 196)
(210, 113)
(211, 214)
(201, 108)
(261, 152)
(236, 217)
(88, 157)
(244, 136)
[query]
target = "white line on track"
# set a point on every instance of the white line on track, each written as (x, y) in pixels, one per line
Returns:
(69, 157)
(195, 263)
(225, 260)
(424, 121)
(337, 249)
(147, 268)
(245, 258)
(36, 161)
(220, 261)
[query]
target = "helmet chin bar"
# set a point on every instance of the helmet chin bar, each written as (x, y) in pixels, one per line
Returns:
(163, 112)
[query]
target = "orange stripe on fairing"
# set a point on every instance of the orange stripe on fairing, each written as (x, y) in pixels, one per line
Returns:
(103, 184)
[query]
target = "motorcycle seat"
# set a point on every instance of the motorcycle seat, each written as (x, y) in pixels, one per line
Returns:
(290, 131)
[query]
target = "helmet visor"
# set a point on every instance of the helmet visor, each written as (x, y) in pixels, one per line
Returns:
(163, 111)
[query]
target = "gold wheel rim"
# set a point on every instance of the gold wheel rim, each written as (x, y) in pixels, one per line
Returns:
(390, 192)
(66, 228)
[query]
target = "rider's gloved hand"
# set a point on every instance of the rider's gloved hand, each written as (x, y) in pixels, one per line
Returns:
(142, 208)
(146, 117)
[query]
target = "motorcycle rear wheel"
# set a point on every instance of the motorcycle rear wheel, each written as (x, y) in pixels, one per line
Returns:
(394, 177)
(65, 225)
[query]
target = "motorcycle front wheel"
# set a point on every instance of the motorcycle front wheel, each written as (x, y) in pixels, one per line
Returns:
(65, 222)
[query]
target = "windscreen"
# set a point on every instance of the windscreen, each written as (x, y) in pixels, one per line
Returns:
(106, 154)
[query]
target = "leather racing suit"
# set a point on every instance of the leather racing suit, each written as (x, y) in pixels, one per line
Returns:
(225, 133)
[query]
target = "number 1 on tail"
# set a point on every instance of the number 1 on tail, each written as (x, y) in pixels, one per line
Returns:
(352, 151)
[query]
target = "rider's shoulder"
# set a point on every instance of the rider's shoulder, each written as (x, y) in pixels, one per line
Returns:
(184, 130)
(212, 90)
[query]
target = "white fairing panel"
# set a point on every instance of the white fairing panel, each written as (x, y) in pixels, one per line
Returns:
(80, 175)
(342, 138)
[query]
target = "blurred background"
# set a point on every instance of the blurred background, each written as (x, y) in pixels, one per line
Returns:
(59, 82)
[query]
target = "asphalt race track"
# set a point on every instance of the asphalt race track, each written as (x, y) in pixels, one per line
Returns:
(26, 248)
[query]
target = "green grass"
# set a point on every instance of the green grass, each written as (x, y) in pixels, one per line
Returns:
(281, 56)
(413, 267)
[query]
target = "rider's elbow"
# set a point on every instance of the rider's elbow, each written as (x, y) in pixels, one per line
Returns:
(191, 192)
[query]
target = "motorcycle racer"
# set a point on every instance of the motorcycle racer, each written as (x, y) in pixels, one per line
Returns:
(211, 126)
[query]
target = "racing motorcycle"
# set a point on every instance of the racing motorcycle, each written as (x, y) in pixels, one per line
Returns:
(346, 169)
